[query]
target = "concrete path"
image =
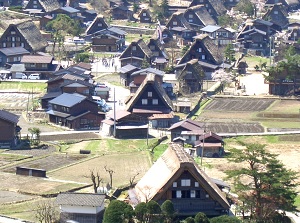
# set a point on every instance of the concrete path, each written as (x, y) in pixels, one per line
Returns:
(10, 220)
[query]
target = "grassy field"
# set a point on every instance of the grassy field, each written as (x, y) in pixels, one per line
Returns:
(255, 60)
(23, 86)
(285, 107)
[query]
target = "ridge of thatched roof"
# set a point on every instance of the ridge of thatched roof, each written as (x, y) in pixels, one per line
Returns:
(49, 5)
(180, 17)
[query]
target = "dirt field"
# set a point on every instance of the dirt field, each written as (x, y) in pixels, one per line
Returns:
(124, 166)
(239, 104)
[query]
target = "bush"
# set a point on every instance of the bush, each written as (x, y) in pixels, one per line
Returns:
(82, 57)
(15, 8)
(225, 219)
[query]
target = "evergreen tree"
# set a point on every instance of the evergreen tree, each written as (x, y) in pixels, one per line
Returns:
(117, 211)
(168, 211)
(201, 218)
(229, 53)
(141, 211)
(246, 7)
(263, 184)
(153, 212)
(225, 219)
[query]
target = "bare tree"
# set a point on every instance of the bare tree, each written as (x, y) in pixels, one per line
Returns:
(110, 172)
(46, 212)
(96, 179)
(131, 180)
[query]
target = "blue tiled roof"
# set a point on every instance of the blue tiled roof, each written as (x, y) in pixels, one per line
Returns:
(68, 100)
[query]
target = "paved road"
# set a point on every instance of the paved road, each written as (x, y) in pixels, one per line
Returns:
(9, 220)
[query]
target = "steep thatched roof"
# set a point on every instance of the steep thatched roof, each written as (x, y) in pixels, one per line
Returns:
(167, 169)
(150, 79)
(139, 43)
(32, 35)
(193, 66)
(204, 16)
(179, 16)
(49, 5)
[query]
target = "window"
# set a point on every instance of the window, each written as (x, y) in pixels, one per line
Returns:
(4, 44)
(185, 182)
(155, 101)
(174, 23)
(13, 45)
(16, 59)
(295, 34)
(13, 32)
(134, 48)
(149, 94)
(13, 39)
(190, 16)
(144, 101)
(100, 24)
(185, 194)
(190, 20)
(44, 65)
(54, 107)
(178, 194)
(144, 14)
(198, 193)
(22, 44)
(196, 184)
(193, 193)
(34, 2)
(203, 57)
(200, 50)
(275, 12)
(35, 6)
(32, 64)
(174, 184)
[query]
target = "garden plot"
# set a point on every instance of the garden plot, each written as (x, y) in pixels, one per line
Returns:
(124, 167)
(48, 163)
(239, 104)
(234, 127)
(33, 152)
(11, 197)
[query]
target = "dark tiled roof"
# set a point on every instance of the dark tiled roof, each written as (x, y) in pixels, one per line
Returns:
(80, 199)
(187, 124)
(148, 70)
(127, 68)
(68, 100)
(69, 9)
(14, 51)
(32, 35)
(116, 30)
(85, 83)
(10, 117)
(86, 66)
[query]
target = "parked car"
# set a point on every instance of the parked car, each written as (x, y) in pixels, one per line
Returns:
(21, 76)
(34, 77)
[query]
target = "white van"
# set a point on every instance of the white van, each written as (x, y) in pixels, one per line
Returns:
(34, 77)
(21, 76)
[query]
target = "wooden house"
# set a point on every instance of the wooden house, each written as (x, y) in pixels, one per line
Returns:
(97, 25)
(160, 57)
(294, 32)
(198, 17)
(191, 77)
(221, 36)
(4, 3)
(74, 111)
(215, 8)
(111, 39)
(67, 10)
(138, 77)
(121, 12)
(24, 34)
(180, 28)
(175, 176)
(125, 74)
(145, 16)
(89, 15)
(12, 55)
(254, 36)
(151, 100)
(204, 49)
(289, 4)
(42, 64)
(211, 144)
(80, 207)
(128, 125)
(10, 132)
(44, 6)
(185, 125)
(278, 16)
(136, 54)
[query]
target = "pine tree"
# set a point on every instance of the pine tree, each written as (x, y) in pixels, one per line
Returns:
(262, 182)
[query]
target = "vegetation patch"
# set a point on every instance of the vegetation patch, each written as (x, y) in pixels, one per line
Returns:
(23, 86)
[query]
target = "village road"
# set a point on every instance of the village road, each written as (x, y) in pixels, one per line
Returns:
(9, 220)
(254, 84)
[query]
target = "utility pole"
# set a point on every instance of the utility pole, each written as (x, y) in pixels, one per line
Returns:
(203, 142)
(270, 50)
(114, 112)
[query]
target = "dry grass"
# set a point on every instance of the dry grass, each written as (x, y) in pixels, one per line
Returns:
(124, 166)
